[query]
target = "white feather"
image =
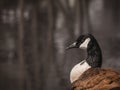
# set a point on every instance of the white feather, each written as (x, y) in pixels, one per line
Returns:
(78, 70)
(85, 44)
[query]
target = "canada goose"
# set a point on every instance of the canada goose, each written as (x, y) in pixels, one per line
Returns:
(90, 67)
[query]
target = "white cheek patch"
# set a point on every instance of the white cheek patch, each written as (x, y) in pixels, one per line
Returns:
(85, 43)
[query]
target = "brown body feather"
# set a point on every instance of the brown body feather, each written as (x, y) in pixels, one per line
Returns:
(98, 79)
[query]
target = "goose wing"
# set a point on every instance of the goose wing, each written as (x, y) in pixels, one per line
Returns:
(98, 79)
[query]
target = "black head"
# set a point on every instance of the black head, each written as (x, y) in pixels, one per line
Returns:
(76, 43)
(84, 42)
(89, 43)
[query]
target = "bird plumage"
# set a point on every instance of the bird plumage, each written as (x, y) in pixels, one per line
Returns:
(94, 58)
(97, 79)
(78, 70)
(89, 75)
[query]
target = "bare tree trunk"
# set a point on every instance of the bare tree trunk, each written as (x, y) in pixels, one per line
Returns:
(79, 18)
(35, 48)
(50, 30)
(86, 22)
(28, 81)
(48, 50)
(20, 45)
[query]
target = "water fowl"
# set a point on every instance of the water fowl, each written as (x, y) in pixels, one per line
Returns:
(88, 74)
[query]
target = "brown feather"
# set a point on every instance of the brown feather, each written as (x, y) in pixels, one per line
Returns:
(98, 79)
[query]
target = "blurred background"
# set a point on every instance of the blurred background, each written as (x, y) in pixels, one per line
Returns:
(35, 33)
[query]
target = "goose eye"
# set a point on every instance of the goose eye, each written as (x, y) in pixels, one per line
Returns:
(82, 40)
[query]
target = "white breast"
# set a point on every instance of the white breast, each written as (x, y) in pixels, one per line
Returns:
(78, 70)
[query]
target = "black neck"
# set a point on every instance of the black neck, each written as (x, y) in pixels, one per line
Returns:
(94, 57)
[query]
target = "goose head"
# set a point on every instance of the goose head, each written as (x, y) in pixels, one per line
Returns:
(93, 59)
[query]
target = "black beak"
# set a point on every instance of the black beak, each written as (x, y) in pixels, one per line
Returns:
(71, 46)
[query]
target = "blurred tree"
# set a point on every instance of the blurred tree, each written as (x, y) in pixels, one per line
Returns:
(48, 58)
(79, 18)
(86, 16)
(34, 28)
(20, 45)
